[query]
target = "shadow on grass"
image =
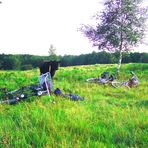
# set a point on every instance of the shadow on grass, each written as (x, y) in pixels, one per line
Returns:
(142, 103)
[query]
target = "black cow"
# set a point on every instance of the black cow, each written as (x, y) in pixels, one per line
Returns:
(49, 66)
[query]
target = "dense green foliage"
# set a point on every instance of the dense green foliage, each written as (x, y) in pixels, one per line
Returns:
(108, 117)
(26, 62)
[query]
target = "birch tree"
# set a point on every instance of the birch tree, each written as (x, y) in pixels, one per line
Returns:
(120, 27)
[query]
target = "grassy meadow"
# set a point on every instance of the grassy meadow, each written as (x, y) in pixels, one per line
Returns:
(108, 117)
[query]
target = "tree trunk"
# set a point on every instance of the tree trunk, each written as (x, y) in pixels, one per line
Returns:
(119, 63)
(121, 45)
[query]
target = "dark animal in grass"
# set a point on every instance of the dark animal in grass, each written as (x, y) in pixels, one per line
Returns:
(49, 66)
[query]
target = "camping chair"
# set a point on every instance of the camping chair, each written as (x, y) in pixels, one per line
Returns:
(46, 82)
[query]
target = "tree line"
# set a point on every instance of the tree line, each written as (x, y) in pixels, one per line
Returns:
(26, 62)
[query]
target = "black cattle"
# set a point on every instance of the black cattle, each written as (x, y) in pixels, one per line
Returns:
(49, 66)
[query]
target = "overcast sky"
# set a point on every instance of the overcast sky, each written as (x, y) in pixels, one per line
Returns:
(31, 26)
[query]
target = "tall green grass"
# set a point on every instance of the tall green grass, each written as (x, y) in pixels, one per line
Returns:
(108, 117)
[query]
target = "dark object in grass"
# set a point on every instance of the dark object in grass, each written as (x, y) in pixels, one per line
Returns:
(13, 97)
(72, 97)
(105, 75)
(45, 87)
(23, 93)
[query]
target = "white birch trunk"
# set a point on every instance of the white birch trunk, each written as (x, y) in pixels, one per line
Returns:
(119, 63)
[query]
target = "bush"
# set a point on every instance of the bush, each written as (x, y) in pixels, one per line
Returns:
(27, 67)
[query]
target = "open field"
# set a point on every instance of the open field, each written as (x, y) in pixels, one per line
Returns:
(108, 117)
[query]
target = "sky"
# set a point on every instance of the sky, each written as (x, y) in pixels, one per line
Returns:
(31, 26)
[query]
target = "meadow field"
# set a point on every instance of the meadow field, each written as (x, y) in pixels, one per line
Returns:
(108, 117)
